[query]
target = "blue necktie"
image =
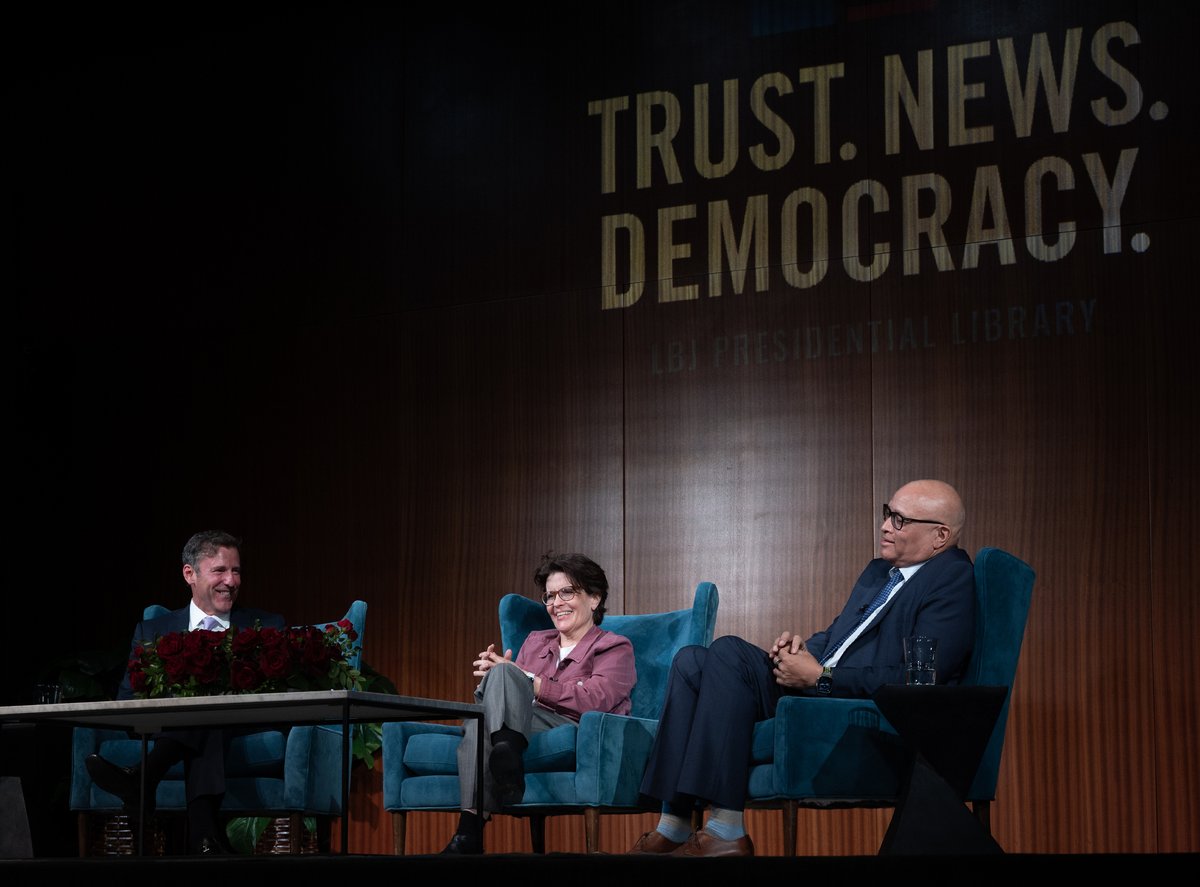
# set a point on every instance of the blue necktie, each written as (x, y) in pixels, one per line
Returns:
(895, 576)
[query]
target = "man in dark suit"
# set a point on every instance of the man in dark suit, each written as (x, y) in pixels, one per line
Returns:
(212, 568)
(921, 584)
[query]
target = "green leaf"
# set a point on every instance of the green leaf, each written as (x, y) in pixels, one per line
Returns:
(244, 832)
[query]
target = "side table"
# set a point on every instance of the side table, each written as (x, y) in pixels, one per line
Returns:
(947, 730)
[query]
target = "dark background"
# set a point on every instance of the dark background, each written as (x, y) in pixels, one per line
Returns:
(331, 280)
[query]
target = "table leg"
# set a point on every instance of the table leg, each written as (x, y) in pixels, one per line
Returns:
(479, 768)
(345, 777)
(140, 822)
(930, 818)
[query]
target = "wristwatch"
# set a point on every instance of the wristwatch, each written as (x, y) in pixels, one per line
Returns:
(825, 682)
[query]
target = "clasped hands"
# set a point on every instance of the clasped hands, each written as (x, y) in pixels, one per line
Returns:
(794, 666)
(489, 659)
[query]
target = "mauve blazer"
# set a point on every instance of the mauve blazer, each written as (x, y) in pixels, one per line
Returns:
(598, 675)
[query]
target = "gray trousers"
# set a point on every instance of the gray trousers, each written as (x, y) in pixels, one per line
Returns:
(507, 696)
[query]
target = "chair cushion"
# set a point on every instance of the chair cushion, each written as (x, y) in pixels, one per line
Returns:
(552, 750)
(432, 754)
(762, 743)
(251, 754)
(256, 754)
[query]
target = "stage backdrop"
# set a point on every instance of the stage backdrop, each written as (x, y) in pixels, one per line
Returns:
(409, 299)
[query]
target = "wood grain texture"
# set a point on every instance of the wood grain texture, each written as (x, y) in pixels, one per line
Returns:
(1173, 417)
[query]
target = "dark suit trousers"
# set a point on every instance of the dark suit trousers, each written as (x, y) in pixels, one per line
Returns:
(702, 749)
(204, 762)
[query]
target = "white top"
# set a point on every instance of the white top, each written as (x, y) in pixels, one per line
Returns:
(196, 616)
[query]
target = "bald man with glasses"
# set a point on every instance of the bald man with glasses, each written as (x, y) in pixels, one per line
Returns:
(922, 583)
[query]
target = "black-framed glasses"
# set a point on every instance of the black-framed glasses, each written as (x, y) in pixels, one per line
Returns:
(899, 521)
(563, 594)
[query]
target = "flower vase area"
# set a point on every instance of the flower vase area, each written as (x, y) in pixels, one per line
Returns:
(232, 661)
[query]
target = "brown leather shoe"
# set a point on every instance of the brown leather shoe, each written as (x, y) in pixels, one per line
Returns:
(654, 842)
(703, 843)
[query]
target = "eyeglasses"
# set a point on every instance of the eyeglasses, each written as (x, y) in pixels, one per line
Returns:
(899, 520)
(563, 594)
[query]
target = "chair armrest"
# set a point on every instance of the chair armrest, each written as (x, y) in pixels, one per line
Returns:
(312, 762)
(611, 754)
(86, 741)
(833, 748)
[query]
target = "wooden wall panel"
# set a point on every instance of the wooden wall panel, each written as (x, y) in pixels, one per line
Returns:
(745, 470)
(1170, 589)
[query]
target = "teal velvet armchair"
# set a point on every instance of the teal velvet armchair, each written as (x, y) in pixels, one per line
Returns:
(591, 767)
(291, 772)
(822, 752)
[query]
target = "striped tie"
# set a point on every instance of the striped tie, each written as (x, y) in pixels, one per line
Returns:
(876, 602)
(210, 623)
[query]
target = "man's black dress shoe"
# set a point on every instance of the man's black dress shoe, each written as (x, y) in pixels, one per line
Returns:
(121, 781)
(210, 846)
(508, 771)
(464, 845)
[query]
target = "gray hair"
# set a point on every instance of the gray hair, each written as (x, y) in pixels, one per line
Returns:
(207, 543)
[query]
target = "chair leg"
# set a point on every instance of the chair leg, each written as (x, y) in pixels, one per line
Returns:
(84, 833)
(324, 835)
(788, 813)
(295, 833)
(591, 829)
(399, 827)
(537, 832)
(983, 813)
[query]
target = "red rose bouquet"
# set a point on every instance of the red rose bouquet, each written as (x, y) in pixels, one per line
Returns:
(246, 660)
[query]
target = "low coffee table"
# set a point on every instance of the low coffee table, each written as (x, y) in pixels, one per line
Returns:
(145, 717)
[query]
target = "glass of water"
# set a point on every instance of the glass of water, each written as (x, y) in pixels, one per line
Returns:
(920, 653)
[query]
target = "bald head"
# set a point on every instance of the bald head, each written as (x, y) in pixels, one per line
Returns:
(932, 515)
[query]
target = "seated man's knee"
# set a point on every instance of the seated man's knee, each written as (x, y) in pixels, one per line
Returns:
(731, 649)
(689, 661)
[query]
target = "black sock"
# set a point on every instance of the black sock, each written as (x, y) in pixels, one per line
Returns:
(506, 735)
(470, 824)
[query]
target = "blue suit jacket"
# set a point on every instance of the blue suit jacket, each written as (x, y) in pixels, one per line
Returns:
(177, 620)
(939, 602)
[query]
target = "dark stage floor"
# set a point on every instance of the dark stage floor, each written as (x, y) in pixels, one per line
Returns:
(585, 870)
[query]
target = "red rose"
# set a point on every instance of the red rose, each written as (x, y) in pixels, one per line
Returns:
(137, 681)
(200, 658)
(275, 662)
(176, 669)
(345, 624)
(272, 637)
(245, 641)
(243, 675)
(209, 673)
(191, 642)
(169, 645)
